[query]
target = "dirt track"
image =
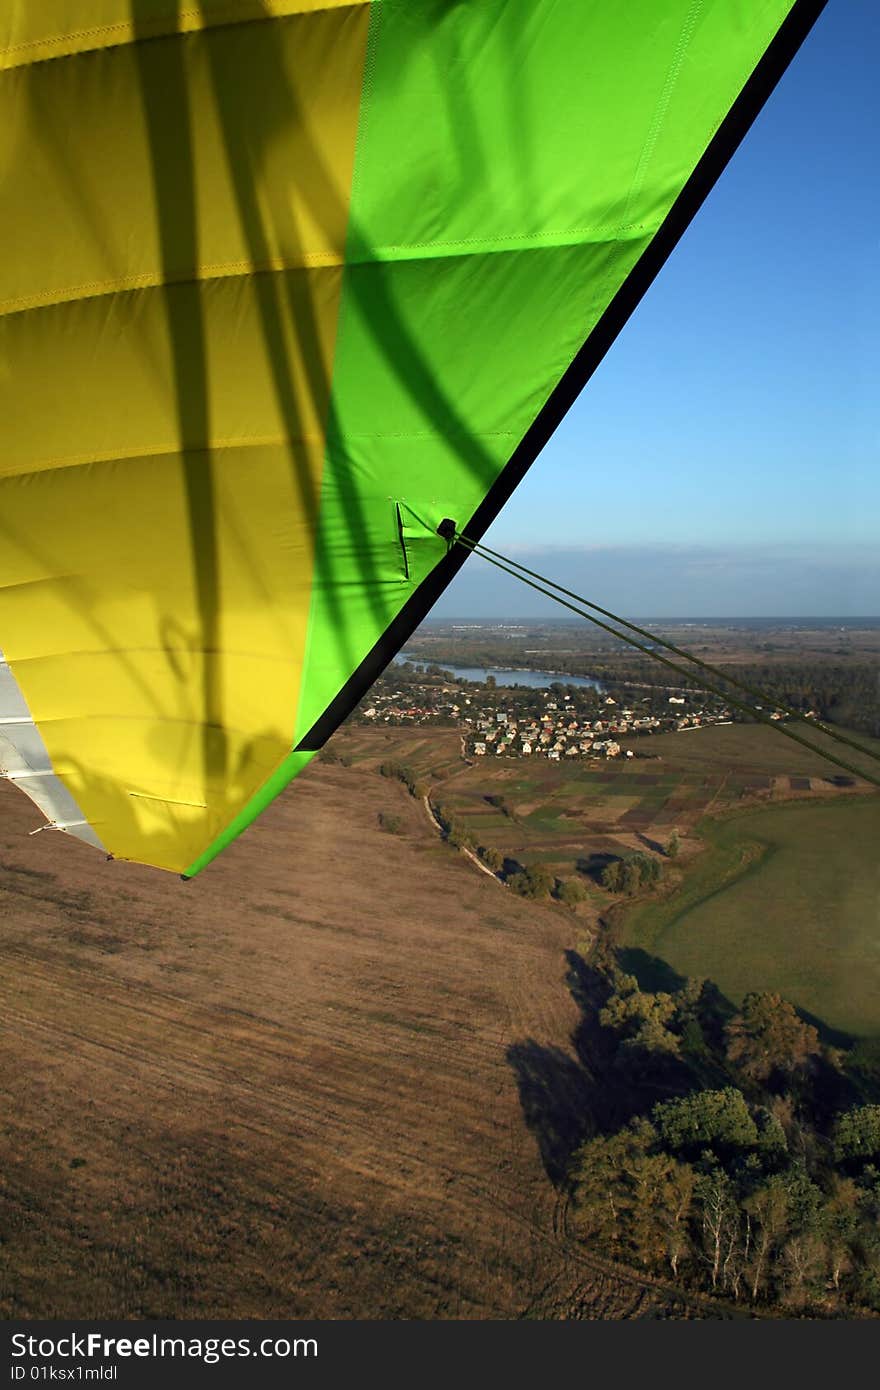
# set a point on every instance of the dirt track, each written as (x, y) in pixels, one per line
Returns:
(282, 1090)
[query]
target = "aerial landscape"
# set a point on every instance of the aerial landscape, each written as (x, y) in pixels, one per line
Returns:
(439, 675)
(367, 1067)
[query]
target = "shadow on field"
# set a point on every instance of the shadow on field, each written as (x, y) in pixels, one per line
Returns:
(556, 1097)
(604, 1082)
(831, 1037)
(651, 972)
(646, 840)
(566, 1099)
(592, 866)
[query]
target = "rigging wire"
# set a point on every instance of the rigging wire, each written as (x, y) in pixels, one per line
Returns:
(547, 587)
(480, 549)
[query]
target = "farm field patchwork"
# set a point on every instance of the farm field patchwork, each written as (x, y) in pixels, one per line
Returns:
(680, 778)
(798, 857)
(559, 815)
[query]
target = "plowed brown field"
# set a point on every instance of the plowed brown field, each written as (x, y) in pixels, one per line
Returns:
(282, 1090)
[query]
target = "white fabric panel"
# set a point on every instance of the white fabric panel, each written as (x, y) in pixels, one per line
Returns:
(25, 761)
(22, 749)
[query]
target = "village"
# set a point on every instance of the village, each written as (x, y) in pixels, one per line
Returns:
(558, 723)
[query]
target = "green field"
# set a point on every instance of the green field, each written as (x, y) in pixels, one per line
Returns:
(786, 898)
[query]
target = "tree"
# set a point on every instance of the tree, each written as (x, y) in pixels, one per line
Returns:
(630, 879)
(627, 875)
(493, 859)
(531, 883)
(458, 837)
(803, 1262)
(840, 1227)
(570, 892)
(680, 1190)
(650, 869)
(632, 1199)
(610, 877)
(660, 1190)
(540, 882)
(772, 1140)
(857, 1134)
(767, 1210)
(404, 774)
(768, 1036)
(804, 1199)
(719, 1219)
(673, 846)
(601, 1202)
(640, 1018)
(716, 1120)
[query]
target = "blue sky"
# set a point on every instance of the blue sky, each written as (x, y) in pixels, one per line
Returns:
(724, 457)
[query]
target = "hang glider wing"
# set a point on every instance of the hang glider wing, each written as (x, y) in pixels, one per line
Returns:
(284, 284)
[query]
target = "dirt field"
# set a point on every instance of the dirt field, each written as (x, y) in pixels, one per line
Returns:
(292, 1088)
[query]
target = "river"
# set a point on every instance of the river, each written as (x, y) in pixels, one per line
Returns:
(534, 680)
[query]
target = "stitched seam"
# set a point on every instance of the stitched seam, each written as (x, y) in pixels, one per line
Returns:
(219, 445)
(318, 260)
(228, 270)
(128, 651)
(154, 30)
(160, 451)
(659, 116)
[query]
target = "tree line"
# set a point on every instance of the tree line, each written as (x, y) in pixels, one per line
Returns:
(848, 695)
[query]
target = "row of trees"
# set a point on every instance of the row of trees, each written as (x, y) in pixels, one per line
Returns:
(329, 754)
(456, 833)
(534, 882)
(632, 872)
(531, 883)
(401, 772)
(751, 1166)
